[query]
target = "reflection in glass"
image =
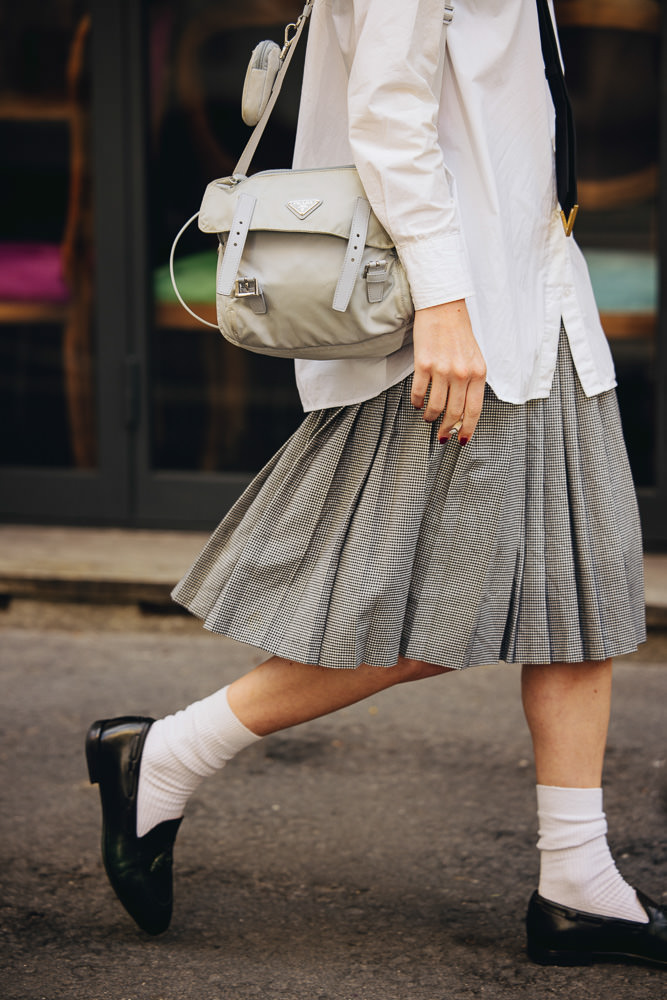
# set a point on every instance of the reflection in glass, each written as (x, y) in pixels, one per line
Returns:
(46, 283)
(213, 406)
(611, 54)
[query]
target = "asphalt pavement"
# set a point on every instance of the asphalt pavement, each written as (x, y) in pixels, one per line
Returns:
(383, 853)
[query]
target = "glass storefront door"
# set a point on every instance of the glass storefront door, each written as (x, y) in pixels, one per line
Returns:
(119, 408)
(47, 342)
(65, 438)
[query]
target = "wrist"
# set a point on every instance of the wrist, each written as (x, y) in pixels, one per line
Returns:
(443, 307)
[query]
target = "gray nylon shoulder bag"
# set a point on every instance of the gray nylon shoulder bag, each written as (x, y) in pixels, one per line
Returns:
(305, 269)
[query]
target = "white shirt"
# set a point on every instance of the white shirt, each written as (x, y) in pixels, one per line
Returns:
(458, 165)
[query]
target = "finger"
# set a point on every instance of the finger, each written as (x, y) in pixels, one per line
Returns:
(454, 409)
(446, 429)
(473, 409)
(437, 398)
(420, 383)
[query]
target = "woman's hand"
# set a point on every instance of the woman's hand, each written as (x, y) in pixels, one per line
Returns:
(448, 359)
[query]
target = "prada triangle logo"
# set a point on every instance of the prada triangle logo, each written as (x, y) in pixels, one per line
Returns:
(303, 207)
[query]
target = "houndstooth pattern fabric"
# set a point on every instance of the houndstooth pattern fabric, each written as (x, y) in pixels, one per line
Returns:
(364, 538)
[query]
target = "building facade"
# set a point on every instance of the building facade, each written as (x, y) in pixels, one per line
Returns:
(114, 114)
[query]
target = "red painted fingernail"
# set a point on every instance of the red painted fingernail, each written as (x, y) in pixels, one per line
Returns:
(463, 441)
(443, 440)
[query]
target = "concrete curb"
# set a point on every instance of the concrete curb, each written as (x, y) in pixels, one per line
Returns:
(117, 566)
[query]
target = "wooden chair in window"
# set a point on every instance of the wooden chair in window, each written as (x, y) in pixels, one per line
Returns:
(610, 50)
(52, 283)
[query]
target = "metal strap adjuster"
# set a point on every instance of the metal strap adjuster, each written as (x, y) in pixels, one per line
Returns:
(246, 286)
(376, 273)
(249, 288)
(376, 270)
(448, 13)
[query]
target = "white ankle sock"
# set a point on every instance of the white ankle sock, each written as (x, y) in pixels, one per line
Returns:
(182, 749)
(576, 866)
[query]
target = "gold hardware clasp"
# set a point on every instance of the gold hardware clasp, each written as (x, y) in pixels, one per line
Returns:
(568, 223)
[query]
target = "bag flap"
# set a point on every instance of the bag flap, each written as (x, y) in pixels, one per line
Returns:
(308, 201)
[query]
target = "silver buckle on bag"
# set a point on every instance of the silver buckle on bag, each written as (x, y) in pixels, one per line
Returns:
(375, 273)
(249, 288)
(376, 270)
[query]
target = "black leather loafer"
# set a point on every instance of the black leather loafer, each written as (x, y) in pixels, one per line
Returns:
(558, 935)
(139, 868)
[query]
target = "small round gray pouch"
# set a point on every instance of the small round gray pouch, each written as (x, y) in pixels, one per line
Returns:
(259, 80)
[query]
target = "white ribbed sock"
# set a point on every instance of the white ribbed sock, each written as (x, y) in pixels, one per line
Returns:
(182, 749)
(576, 866)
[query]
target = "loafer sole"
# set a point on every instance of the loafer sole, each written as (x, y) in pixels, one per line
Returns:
(571, 959)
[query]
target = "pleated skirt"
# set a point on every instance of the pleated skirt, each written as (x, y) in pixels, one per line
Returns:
(364, 538)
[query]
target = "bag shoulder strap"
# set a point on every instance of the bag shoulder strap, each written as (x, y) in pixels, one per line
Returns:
(293, 32)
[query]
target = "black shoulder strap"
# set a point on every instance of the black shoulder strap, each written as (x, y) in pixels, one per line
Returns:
(566, 169)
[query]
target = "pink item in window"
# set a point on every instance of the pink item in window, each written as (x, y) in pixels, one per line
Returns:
(31, 272)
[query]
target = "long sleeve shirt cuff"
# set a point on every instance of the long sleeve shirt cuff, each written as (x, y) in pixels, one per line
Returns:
(437, 269)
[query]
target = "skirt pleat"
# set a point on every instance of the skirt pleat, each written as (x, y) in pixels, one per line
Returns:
(364, 538)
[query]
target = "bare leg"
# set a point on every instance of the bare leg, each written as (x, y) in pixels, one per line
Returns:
(567, 709)
(281, 693)
(183, 748)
